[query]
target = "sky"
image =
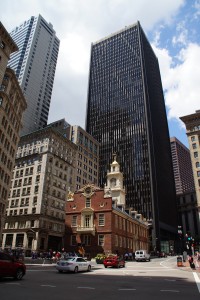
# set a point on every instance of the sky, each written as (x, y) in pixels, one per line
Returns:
(171, 26)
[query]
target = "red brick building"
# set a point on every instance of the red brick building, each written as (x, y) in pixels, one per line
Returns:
(97, 221)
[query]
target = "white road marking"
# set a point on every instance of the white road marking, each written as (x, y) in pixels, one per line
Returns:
(13, 283)
(196, 277)
(48, 285)
(171, 291)
(170, 279)
(126, 289)
(85, 287)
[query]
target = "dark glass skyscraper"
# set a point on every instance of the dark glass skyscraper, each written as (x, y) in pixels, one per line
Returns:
(126, 114)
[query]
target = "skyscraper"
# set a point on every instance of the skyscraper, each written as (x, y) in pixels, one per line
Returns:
(126, 114)
(182, 166)
(35, 65)
(192, 123)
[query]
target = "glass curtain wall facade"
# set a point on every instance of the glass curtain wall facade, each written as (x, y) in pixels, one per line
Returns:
(35, 65)
(126, 114)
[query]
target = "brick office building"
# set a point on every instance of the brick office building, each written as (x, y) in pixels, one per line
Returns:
(97, 219)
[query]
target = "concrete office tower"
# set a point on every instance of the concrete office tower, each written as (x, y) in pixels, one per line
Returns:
(182, 166)
(35, 65)
(192, 123)
(126, 114)
(88, 152)
(12, 106)
(43, 174)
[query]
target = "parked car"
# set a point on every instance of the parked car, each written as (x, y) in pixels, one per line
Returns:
(162, 254)
(142, 255)
(11, 267)
(114, 261)
(73, 264)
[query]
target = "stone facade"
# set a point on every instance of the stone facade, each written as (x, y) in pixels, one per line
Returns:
(43, 173)
(12, 107)
(192, 123)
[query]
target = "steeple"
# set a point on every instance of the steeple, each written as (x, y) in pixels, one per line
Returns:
(114, 187)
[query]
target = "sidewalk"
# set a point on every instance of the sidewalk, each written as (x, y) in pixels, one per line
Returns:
(186, 267)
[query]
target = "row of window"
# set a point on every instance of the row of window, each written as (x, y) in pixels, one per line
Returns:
(86, 239)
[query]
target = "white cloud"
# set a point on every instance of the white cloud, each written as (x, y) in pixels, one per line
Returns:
(78, 23)
(181, 82)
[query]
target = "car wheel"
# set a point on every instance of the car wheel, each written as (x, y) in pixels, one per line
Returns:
(105, 266)
(60, 271)
(76, 270)
(19, 274)
(89, 268)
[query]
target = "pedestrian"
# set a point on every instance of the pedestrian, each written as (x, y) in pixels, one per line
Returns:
(126, 256)
(191, 262)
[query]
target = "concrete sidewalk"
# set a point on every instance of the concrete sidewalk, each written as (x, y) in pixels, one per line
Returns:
(186, 267)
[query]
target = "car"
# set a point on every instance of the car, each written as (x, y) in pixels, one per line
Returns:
(11, 267)
(114, 261)
(142, 255)
(162, 254)
(73, 264)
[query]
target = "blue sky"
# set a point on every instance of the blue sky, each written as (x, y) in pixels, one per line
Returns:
(172, 27)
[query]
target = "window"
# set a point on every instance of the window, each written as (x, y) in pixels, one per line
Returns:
(73, 240)
(74, 221)
(87, 220)
(1, 101)
(198, 173)
(197, 164)
(87, 202)
(101, 240)
(2, 45)
(86, 239)
(116, 221)
(192, 138)
(113, 182)
(116, 241)
(195, 154)
(101, 219)
(194, 146)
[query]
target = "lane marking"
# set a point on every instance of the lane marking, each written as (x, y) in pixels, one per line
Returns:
(171, 291)
(196, 277)
(48, 285)
(85, 287)
(170, 279)
(13, 283)
(126, 289)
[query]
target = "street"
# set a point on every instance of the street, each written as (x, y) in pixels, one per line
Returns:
(157, 279)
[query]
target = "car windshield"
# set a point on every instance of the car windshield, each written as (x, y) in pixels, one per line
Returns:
(70, 259)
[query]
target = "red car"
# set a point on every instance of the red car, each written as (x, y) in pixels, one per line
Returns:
(10, 267)
(114, 261)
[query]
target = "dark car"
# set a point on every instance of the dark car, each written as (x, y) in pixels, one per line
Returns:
(11, 267)
(162, 254)
(114, 261)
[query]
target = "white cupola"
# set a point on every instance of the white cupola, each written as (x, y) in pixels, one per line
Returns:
(114, 186)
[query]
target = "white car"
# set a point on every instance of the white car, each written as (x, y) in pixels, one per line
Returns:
(142, 255)
(73, 264)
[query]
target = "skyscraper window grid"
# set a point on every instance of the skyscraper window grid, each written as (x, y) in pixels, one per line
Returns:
(35, 65)
(126, 114)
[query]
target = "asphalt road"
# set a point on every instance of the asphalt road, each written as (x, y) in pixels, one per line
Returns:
(158, 279)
